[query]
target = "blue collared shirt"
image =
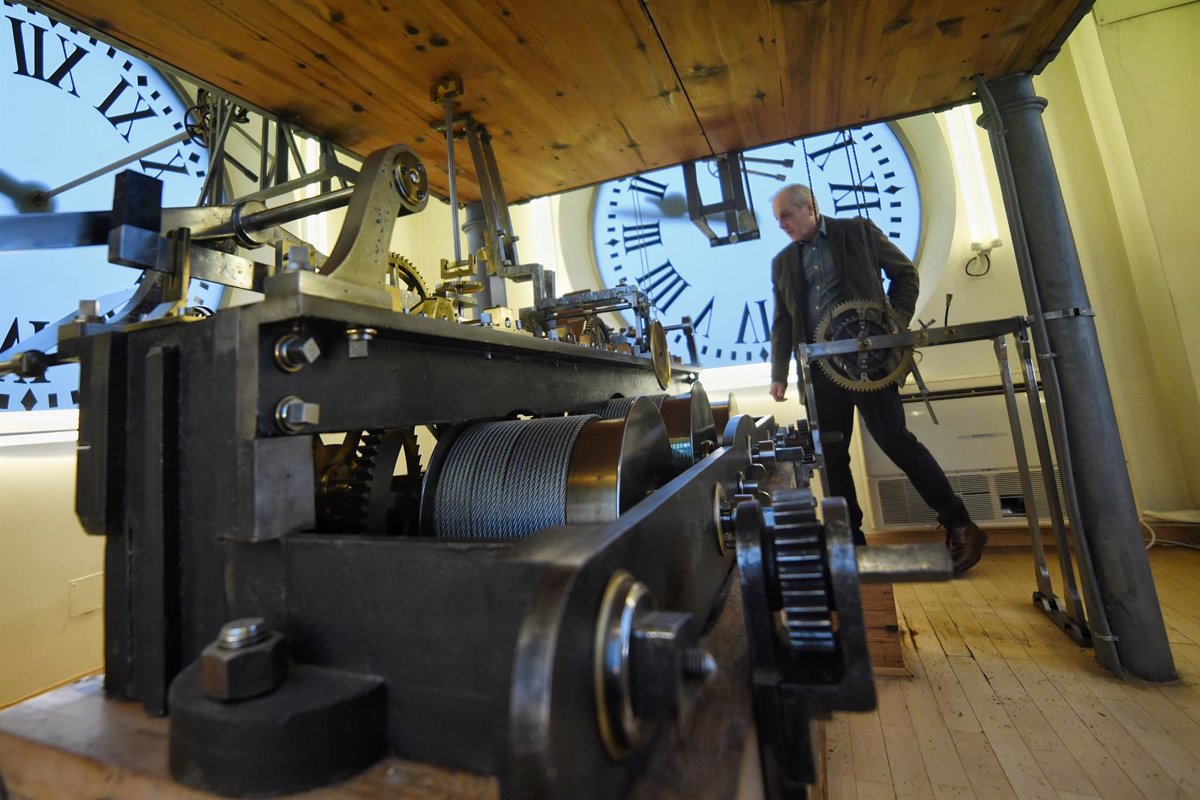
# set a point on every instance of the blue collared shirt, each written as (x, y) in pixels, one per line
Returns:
(822, 281)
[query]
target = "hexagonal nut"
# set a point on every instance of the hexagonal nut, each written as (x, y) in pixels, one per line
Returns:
(230, 675)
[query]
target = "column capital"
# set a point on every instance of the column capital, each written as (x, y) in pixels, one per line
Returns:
(1014, 94)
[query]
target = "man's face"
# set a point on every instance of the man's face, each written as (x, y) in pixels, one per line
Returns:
(799, 222)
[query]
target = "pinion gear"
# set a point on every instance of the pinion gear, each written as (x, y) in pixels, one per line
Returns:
(355, 485)
(406, 275)
(800, 568)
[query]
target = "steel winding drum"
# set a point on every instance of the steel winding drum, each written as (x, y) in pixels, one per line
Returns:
(505, 480)
(688, 419)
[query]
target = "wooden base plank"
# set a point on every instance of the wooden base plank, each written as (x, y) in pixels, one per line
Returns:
(883, 629)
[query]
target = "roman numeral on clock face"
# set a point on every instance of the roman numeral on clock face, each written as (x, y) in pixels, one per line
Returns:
(663, 285)
(32, 62)
(176, 164)
(637, 237)
(647, 186)
(760, 328)
(821, 157)
(704, 318)
(853, 196)
(140, 109)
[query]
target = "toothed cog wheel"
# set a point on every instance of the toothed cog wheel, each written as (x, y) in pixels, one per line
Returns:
(405, 275)
(865, 370)
(805, 619)
(357, 489)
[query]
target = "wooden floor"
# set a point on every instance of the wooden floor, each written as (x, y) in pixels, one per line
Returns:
(1002, 704)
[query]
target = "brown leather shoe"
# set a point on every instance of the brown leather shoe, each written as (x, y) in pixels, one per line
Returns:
(965, 543)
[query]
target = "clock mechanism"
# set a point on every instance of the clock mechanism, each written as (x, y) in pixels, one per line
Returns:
(868, 369)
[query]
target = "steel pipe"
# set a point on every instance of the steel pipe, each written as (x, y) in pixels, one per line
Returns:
(1121, 595)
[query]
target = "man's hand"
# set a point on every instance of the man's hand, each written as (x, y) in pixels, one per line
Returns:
(778, 391)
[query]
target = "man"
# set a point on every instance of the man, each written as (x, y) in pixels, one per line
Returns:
(831, 261)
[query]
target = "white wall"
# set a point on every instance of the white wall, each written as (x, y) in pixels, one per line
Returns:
(1150, 124)
(1096, 208)
(51, 595)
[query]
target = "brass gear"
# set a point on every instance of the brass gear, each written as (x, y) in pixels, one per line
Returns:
(406, 273)
(864, 370)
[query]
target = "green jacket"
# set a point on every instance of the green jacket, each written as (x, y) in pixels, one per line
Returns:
(852, 242)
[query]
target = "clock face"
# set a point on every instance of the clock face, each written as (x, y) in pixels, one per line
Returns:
(73, 104)
(641, 233)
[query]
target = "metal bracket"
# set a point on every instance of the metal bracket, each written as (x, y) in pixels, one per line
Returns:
(1068, 312)
(740, 224)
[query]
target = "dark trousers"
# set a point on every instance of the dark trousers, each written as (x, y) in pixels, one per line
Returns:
(883, 416)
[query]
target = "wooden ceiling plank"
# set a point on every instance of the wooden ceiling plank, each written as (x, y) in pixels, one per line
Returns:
(802, 35)
(577, 93)
(1053, 17)
(1002, 28)
(726, 56)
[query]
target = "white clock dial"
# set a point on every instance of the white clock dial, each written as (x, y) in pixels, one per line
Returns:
(71, 105)
(641, 232)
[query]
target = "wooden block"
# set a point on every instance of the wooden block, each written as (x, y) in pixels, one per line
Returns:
(883, 629)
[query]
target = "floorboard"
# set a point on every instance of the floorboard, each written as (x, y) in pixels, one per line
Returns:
(1001, 704)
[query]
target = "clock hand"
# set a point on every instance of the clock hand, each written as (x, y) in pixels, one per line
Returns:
(182, 136)
(671, 206)
(46, 339)
(24, 195)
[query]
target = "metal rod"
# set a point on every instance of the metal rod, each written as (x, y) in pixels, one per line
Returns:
(281, 156)
(294, 211)
(449, 102)
(182, 136)
(814, 425)
(210, 194)
(1041, 572)
(264, 179)
(1042, 442)
(926, 337)
(904, 563)
(295, 151)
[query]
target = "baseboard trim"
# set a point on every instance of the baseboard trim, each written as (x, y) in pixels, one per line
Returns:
(1019, 537)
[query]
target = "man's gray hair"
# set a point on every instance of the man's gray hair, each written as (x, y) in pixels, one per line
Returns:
(796, 193)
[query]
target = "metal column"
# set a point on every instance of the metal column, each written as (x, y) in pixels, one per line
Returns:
(1107, 518)
(494, 292)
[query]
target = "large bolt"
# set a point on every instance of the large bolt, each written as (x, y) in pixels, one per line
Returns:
(699, 664)
(294, 352)
(89, 311)
(751, 481)
(359, 339)
(242, 633)
(246, 660)
(293, 415)
(765, 454)
(656, 655)
(297, 259)
(723, 520)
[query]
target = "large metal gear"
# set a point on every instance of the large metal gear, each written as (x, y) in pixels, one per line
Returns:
(405, 275)
(355, 485)
(865, 370)
(806, 614)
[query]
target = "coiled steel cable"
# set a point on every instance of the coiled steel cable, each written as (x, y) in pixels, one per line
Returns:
(506, 480)
(618, 407)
